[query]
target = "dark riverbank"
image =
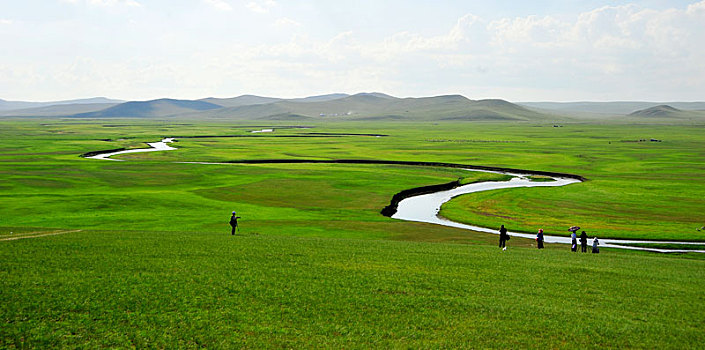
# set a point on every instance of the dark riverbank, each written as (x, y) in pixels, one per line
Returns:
(96, 153)
(413, 163)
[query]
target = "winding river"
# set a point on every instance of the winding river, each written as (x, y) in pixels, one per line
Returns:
(154, 146)
(425, 207)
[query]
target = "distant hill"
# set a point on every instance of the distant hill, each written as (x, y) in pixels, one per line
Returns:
(154, 108)
(244, 100)
(60, 110)
(249, 100)
(608, 108)
(666, 113)
(660, 111)
(371, 106)
(14, 105)
(320, 98)
(361, 106)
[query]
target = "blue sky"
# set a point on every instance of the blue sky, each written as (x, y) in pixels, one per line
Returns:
(516, 50)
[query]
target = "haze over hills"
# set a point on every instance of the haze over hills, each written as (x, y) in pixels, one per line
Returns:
(244, 100)
(376, 106)
(248, 100)
(15, 105)
(154, 108)
(320, 98)
(665, 112)
(361, 106)
(57, 110)
(609, 108)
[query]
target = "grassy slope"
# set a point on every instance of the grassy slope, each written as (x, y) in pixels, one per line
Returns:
(57, 189)
(665, 112)
(635, 189)
(154, 266)
(193, 289)
(154, 108)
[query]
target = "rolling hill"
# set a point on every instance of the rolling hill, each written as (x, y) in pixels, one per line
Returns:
(320, 98)
(244, 100)
(372, 106)
(361, 106)
(607, 108)
(249, 100)
(665, 112)
(154, 108)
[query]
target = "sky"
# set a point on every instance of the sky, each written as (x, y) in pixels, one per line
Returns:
(541, 50)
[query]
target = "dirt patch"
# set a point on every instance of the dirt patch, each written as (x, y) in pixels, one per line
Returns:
(37, 235)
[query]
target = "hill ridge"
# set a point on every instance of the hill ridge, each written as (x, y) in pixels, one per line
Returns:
(660, 111)
(337, 106)
(152, 108)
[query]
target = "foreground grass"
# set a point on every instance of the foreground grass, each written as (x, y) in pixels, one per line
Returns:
(200, 289)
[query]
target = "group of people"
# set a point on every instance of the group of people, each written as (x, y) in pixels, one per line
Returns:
(583, 243)
(504, 237)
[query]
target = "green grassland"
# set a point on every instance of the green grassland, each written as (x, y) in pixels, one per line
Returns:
(316, 265)
(634, 189)
(196, 289)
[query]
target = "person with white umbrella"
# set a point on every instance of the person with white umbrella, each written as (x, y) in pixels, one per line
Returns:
(573, 238)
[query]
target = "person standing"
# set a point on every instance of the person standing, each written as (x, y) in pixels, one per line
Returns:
(583, 242)
(595, 243)
(233, 223)
(539, 239)
(573, 242)
(503, 238)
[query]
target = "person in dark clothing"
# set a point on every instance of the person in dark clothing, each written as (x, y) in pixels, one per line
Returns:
(583, 242)
(539, 239)
(503, 237)
(233, 223)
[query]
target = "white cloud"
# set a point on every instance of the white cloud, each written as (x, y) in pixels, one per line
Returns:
(611, 52)
(261, 6)
(131, 3)
(5, 21)
(219, 4)
(698, 7)
(512, 35)
(626, 50)
(286, 22)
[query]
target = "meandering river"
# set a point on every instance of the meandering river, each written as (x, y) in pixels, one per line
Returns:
(155, 146)
(425, 207)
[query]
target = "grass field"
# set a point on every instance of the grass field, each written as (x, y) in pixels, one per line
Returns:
(139, 252)
(193, 289)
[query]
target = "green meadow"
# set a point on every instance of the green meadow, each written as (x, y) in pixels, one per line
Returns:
(138, 253)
